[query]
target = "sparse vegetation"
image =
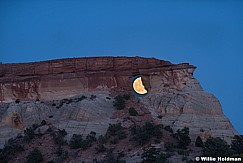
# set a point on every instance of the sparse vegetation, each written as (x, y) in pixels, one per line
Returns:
(102, 139)
(126, 96)
(78, 142)
(62, 153)
(143, 134)
(100, 148)
(216, 147)
(116, 130)
(119, 102)
(59, 137)
(154, 155)
(169, 147)
(10, 148)
(17, 101)
(182, 135)
(184, 153)
(199, 142)
(28, 134)
(133, 112)
(237, 144)
(92, 97)
(168, 128)
(111, 157)
(35, 156)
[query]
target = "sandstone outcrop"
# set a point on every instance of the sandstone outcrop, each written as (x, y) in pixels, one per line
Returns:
(68, 77)
(174, 97)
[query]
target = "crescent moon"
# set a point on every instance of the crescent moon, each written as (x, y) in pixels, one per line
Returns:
(139, 87)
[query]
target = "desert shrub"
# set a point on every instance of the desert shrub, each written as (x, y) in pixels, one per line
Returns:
(35, 156)
(143, 134)
(114, 140)
(113, 129)
(182, 135)
(100, 148)
(121, 134)
(154, 155)
(91, 136)
(35, 126)
(119, 102)
(28, 134)
(43, 122)
(199, 142)
(111, 157)
(59, 137)
(92, 97)
(102, 139)
(168, 128)
(237, 144)
(11, 147)
(62, 153)
(17, 101)
(184, 153)
(169, 147)
(115, 132)
(81, 98)
(133, 112)
(126, 96)
(216, 147)
(78, 142)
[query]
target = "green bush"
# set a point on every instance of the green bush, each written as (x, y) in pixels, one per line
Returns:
(62, 153)
(100, 148)
(102, 139)
(92, 97)
(35, 156)
(184, 153)
(182, 135)
(113, 129)
(17, 101)
(126, 96)
(168, 128)
(11, 147)
(78, 142)
(119, 102)
(143, 134)
(59, 137)
(237, 144)
(199, 142)
(28, 134)
(216, 147)
(154, 155)
(133, 112)
(169, 147)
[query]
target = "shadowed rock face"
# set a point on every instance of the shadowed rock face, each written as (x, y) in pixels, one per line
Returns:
(173, 93)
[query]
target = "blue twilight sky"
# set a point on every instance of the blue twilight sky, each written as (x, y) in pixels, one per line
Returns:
(206, 33)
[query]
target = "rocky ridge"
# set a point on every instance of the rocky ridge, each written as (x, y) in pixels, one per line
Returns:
(174, 97)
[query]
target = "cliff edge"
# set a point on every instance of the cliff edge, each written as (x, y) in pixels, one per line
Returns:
(174, 98)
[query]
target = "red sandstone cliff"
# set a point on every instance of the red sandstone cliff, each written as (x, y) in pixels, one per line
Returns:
(174, 95)
(68, 77)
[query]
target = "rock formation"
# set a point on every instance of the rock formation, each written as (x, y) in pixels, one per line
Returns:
(174, 97)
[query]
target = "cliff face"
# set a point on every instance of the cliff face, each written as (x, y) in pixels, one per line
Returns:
(174, 97)
(68, 77)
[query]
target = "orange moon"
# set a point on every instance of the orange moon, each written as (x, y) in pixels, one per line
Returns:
(139, 87)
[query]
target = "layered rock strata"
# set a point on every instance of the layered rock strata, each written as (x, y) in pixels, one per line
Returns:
(174, 97)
